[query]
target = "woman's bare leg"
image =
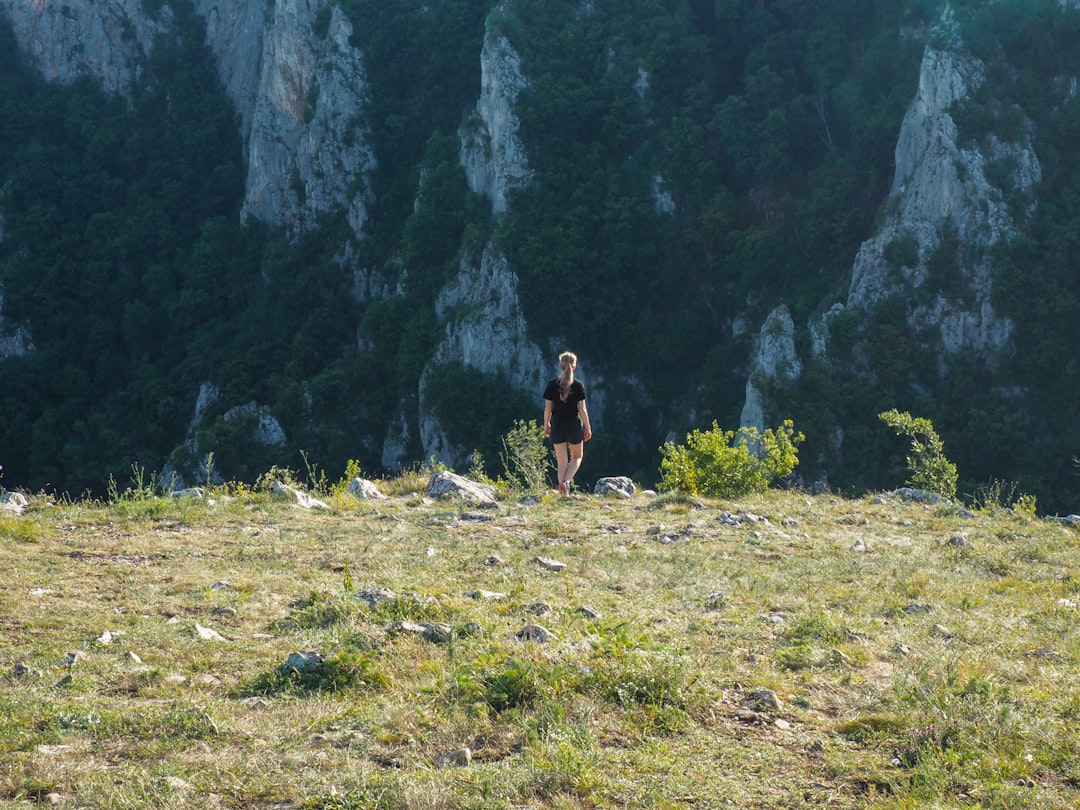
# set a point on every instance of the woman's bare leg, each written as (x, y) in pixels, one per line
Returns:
(561, 460)
(577, 453)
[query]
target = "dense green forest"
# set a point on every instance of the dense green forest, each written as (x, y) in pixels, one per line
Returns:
(769, 125)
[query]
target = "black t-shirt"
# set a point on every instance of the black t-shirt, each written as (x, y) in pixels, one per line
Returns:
(567, 409)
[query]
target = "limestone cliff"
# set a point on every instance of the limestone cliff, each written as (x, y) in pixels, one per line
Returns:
(297, 84)
(306, 150)
(492, 154)
(940, 190)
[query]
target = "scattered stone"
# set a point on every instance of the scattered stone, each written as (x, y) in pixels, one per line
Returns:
(534, 632)
(1043, 652)
(222, 586)
(1070, 520)
(303, 499)
(301, 662)
(376, 596)
(540, 609)
(404, 627)
(728, 519)
(919, 496)
(716, 600)
(619, 486)
(959, 542)
(775, 617)
(493, 560)
(476, 517)
(365, 490)
(175, 680)
(763, 700)
(455, 759)
(748, 716)
(54, 799)
(859, 547)
(789, 523)
(23, 670)
(38, 593)
(176, 783)
(132, 657)
(105, 638)
(942, 631)
(901, 649)
(446, 484)
(917, 608)
(549, 564)
(654, 530)
(208, 634)
(189, 492)
(256, 702)
(206, 679)
(14, 503)
(840, 657)
(471, 629)
(65, 681)
(782, 724)
(588, 612)
(438, 632)
(74, 657)
(173, 620)
(530, 500)
(485, 595)
(224, 611)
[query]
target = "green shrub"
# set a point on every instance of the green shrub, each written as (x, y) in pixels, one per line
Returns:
(726, 464)
(930, 469)
(525, 457)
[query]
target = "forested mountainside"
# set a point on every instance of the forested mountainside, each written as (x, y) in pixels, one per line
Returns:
(364, 229)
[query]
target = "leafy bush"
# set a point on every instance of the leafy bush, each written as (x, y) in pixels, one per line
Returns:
(726, 464)
(930, 469)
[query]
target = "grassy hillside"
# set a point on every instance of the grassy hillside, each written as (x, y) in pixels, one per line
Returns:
(783, 651)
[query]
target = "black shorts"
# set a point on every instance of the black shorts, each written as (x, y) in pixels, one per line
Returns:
(567, 430)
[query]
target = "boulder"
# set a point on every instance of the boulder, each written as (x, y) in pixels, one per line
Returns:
(365, 490)
(13, 503)
(302, 498)
(620, 486)
(451, 485)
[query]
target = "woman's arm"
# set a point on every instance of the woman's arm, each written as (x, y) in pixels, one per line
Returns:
(583, 414)
(547, 417)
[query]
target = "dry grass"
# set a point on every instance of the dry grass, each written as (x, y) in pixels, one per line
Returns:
(921, 656)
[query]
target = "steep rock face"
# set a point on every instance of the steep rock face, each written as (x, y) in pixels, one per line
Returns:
(492, 154)
(776, 359)
(485, 330)
(234, 33)
(306, 151)
(297, 84)
(83, 38)
(940, 189)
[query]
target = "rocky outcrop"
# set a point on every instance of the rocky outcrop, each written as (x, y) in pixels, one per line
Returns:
(297, 84)
(940, 190)
(776, 360)
(82, 38)
(307, 151)
(485, 329)
(492, 154)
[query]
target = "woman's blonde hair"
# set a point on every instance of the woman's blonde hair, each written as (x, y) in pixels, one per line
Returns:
(567, 361)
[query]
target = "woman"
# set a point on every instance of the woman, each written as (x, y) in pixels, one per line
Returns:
(566, 420)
